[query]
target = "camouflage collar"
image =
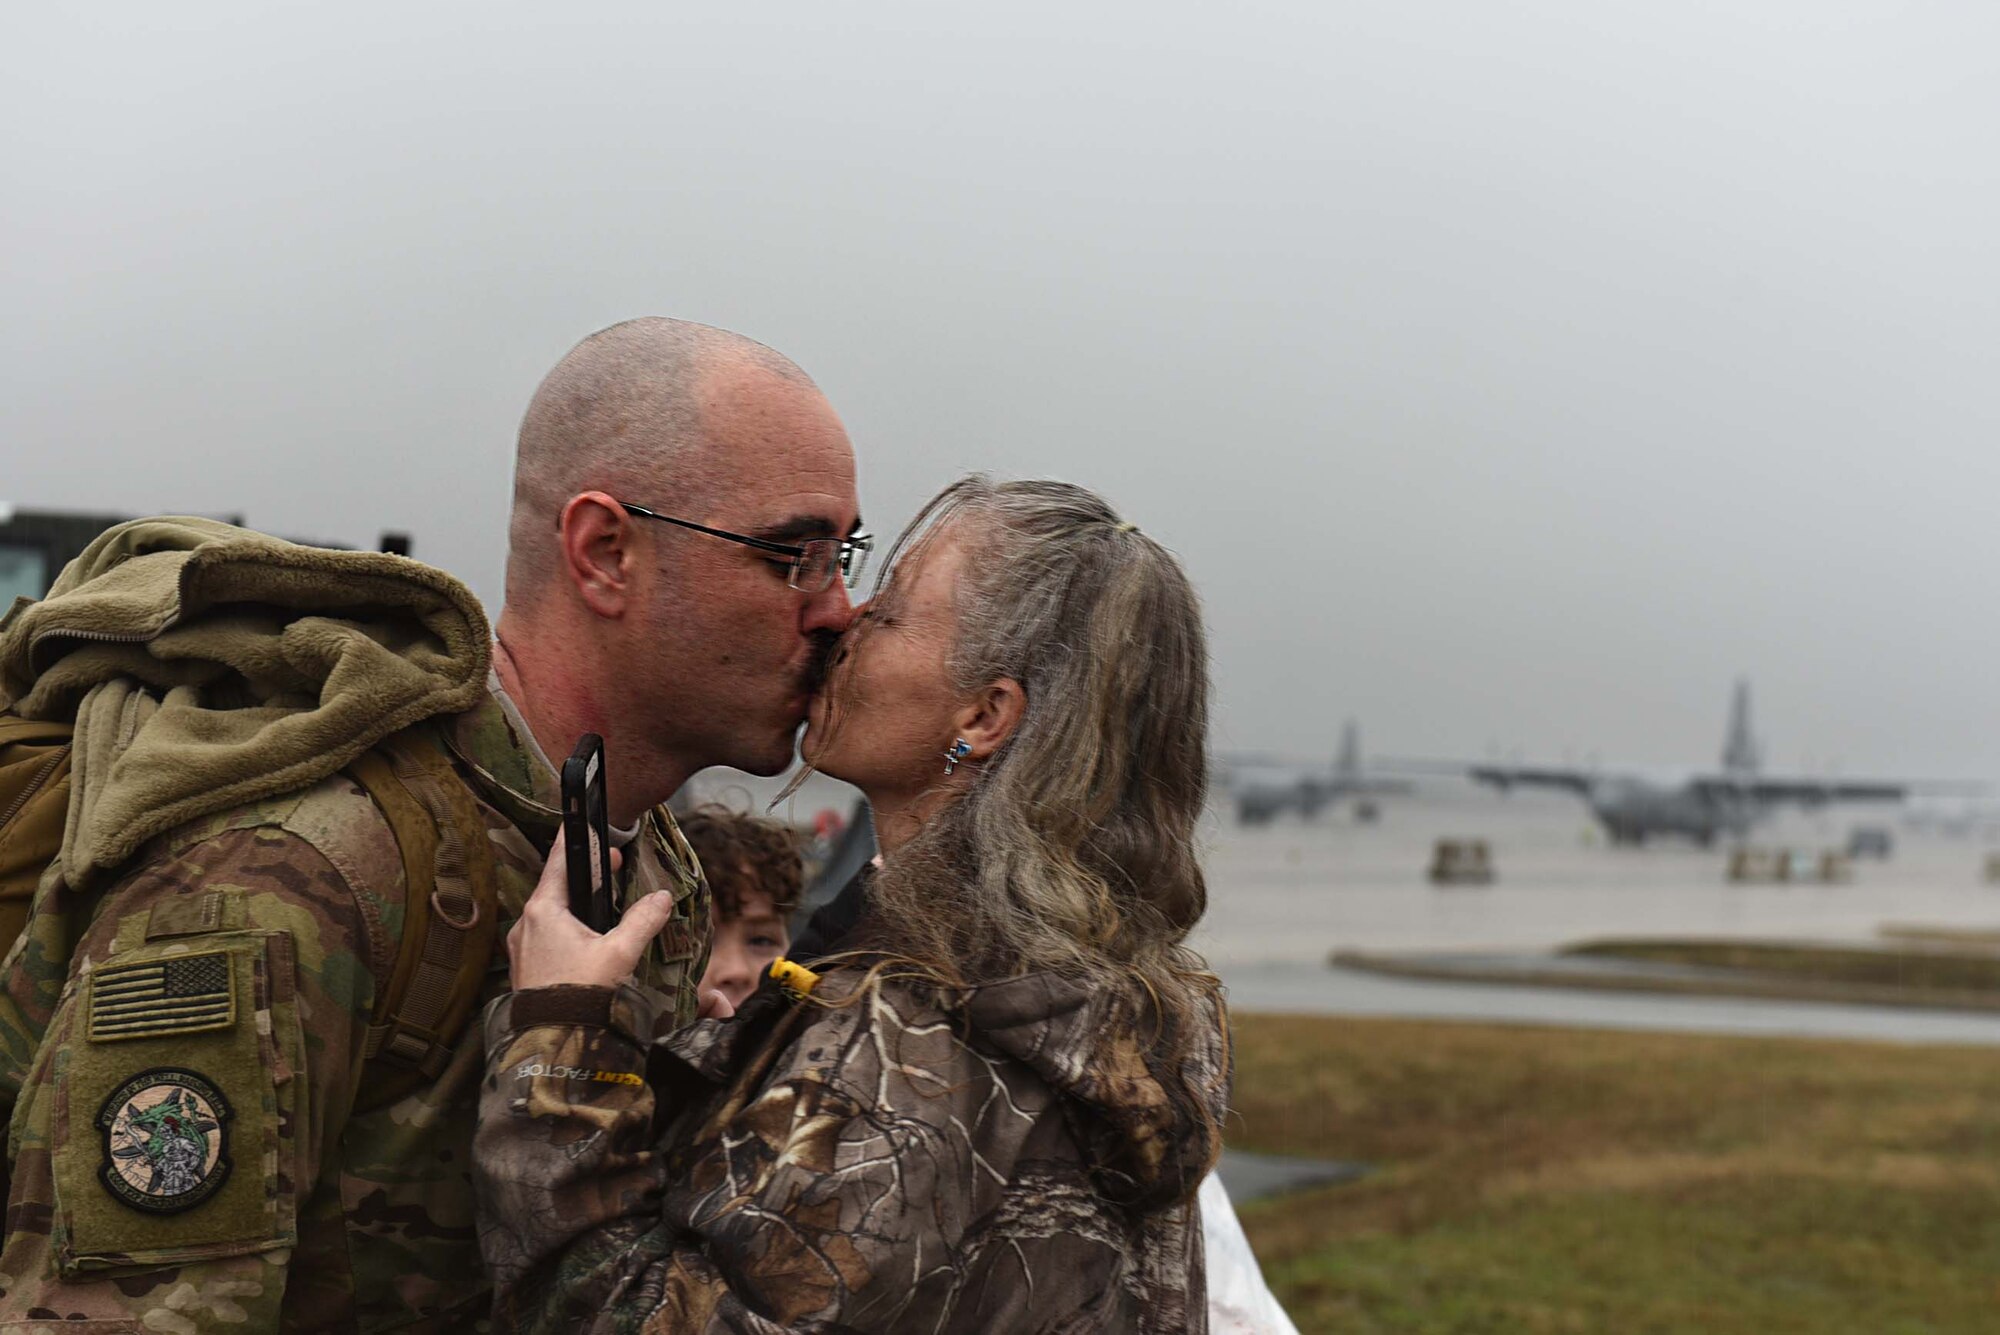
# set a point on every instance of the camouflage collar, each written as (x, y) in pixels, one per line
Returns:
(507, 767)
(510, 771)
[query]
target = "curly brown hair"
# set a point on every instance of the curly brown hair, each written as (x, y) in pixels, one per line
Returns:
(740, 853)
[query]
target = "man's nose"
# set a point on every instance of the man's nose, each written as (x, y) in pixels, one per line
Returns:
(830, 609)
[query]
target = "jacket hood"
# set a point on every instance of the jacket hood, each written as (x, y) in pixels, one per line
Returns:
(1151, 1129)
(206, 666)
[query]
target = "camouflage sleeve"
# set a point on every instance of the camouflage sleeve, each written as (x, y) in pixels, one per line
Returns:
(564, 1148)
(199, 1060)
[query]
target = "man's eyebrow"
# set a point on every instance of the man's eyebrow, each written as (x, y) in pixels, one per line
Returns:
(801, 527)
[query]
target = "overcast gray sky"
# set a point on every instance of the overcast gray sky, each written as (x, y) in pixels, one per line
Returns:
(1506, 374)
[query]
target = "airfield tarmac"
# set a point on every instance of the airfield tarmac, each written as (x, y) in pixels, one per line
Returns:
(1282, 896)
(1292, 890)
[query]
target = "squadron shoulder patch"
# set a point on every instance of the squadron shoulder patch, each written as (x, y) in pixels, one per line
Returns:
(181, 994)
(166, 1141)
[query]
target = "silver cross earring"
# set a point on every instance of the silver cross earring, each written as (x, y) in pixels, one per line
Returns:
(957, 751)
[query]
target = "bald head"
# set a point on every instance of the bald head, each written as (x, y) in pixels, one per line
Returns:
(681, 649)
(622, 413)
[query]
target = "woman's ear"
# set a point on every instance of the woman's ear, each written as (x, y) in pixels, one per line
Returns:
(991, 718)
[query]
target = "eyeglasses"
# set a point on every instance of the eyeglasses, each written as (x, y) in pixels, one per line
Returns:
(813, 561)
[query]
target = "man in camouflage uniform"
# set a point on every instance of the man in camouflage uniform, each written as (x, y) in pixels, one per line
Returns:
(202, 1141)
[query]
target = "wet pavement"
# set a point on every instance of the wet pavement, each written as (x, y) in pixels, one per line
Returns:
(1252, 1177)
(1319, 989)
(1284, 897)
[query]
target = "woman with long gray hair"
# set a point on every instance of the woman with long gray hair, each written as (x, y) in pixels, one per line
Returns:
(992, 1110)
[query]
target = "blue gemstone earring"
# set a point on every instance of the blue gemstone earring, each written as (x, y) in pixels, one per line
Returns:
(957, 751)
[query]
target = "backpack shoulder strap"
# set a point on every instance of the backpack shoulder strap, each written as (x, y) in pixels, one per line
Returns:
(34, 804)
(450, 908)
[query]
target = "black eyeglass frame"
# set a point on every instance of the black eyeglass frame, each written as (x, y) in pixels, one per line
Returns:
(849, 568)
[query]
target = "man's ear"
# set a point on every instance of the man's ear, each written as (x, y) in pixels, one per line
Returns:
(597, 552)
(991, 718)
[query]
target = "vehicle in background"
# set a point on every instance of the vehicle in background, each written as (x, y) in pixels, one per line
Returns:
(835, 855)
(1870, 841)
(1954, 817)
(1789, 866)
(35, 545)
(1461, 862)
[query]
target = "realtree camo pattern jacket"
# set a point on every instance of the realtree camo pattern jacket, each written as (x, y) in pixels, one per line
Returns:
(864, 1161)
(217, 1007)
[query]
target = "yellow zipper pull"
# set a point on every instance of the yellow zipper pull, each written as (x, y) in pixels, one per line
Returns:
(796, 979)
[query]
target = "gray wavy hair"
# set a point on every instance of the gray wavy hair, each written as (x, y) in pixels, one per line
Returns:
(1074, 849)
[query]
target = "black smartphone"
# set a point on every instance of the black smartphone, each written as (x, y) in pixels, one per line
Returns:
(587, 835)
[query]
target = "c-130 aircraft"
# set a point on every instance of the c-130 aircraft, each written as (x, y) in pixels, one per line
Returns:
(1265, 788)
(1703, 807)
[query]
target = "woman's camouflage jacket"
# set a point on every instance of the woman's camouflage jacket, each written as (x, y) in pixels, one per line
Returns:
(867, 1160)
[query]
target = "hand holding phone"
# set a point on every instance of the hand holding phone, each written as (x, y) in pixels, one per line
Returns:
(587, 835)
(551, 947)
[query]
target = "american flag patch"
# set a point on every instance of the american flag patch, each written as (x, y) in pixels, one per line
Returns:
(184, 994)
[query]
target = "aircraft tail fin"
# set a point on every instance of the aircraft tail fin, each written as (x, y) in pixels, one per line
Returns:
(1347, 764)
(1739, 747)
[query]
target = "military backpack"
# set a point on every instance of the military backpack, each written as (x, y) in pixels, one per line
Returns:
(449, 916)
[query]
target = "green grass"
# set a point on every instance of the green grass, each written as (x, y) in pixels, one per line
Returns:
(1549, 1180)
(1933, 969)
